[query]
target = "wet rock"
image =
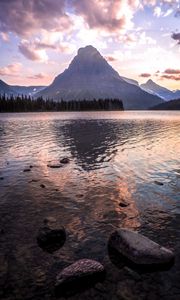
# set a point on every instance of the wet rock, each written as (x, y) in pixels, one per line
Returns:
(81, 274)
(49, 221)
(54, 166)
(1, 178)
(139, 249)
(51, 239)
(42, 186)
(65, 160)
(158, 182)
(27, 170)
(123, 204)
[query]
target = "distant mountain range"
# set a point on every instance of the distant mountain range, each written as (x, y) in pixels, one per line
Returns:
(155, 89)
(89, 76)
(19, 90)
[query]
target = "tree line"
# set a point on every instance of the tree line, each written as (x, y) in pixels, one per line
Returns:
(28, 104)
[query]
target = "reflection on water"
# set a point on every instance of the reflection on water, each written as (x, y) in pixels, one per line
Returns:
(114, 157)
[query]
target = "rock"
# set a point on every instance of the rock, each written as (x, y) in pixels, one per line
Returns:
(79, 274)
(123, 204)
(27, 170)
(139, 249)
(54, 166)
(42, 186)
(49, 220)
(1, 178)
(158, 182)
(31, 166)
(50, 239)
(64, 160)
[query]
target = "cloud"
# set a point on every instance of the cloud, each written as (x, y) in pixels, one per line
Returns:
(171, 77)
(4, 36)
(110, 58)
(111, 16)
(172, 71)
(158, 12)
(38, 76)
(10, 70)
(145, 75)
(27, 17)
(30, 51)
(176, 36)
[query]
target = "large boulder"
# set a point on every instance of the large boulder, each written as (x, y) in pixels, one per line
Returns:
(83, 273)
(139, 249)
(51, 239)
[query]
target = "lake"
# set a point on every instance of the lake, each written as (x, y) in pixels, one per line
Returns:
(115, 157)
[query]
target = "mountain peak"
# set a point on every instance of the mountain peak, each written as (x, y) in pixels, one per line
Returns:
(150, 81)
(88, 50)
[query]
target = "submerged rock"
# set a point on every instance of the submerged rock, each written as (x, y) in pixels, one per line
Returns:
(158, 182)
(42, 186)
(123, 204)
(54, 166)
(27, 170)
(65, 160)
(79, 274)
(139, 249)
(50, 239)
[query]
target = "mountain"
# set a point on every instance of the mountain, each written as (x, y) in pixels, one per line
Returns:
(155, 89)
(131, 81)
(27, 90)
(6, 89)
(90, 76)
(169, 105)
(19, 90)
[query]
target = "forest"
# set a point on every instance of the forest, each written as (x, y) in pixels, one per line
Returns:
(28, 104)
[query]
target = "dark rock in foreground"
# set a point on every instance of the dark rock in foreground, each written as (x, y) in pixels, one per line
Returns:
(80, 275)
(50, 239)
(139, 249)
(64, 160)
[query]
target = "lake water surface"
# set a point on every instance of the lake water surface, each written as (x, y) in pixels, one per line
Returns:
(114, 157)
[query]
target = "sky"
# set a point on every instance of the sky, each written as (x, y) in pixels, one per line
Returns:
(139, 38)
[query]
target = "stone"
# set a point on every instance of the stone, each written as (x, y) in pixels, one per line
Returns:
(50, 239)
(1, 178)
(64, 160)
(138, 248)
(42, 186)
(123, 204)
(79, 274)
(27, 170)
(54, 166)
(158, 182)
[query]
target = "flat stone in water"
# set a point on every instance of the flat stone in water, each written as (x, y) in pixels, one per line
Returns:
(78, 274)
(139, 249)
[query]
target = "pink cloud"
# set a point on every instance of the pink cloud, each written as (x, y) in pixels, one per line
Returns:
(27, 17)
(108, 15)
(145, 75)
(172, 71)
(10, 70)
